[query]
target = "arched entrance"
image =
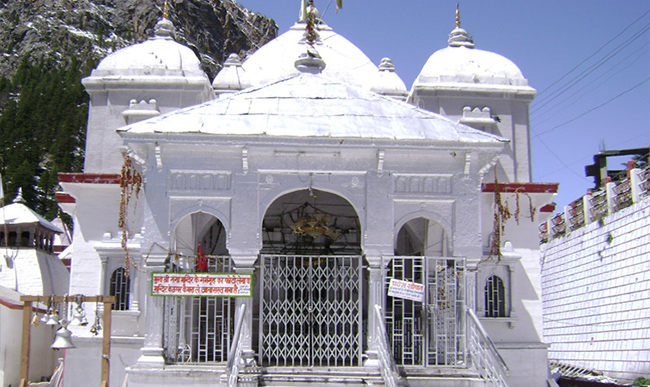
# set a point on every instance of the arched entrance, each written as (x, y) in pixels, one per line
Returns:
(311, 311)
(429, 332)
(198, 329)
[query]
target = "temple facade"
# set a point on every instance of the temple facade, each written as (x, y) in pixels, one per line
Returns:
(304, 218)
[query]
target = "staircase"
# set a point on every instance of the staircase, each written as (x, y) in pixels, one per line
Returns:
(363, 376)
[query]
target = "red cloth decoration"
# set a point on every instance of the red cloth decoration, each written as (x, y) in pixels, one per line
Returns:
(201, 261)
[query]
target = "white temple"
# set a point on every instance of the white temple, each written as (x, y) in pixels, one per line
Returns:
(364, 215)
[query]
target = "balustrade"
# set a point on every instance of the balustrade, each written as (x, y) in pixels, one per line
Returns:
(596, 205)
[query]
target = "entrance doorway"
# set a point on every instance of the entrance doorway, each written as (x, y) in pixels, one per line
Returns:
(311, 282)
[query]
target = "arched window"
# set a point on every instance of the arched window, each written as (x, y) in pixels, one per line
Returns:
(495, 297)
(120, 288)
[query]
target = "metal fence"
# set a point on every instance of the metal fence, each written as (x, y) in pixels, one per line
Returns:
(311, 311)
(198, 329)
(429, 333)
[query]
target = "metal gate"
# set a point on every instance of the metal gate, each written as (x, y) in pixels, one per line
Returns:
(310, 311)
(198, 329)
(429, 333)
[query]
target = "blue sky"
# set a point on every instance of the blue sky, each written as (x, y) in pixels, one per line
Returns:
(604, 102)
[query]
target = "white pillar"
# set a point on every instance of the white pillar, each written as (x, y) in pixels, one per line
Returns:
(152, 351)
(376, 291)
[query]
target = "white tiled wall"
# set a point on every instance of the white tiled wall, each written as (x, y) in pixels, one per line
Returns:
(596, 295)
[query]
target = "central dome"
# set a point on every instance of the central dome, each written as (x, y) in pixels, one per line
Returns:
(345, 62)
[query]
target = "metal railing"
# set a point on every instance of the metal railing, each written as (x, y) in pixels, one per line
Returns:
(388, 367)
(484, 355)
(576, 214)
(594, 206)
(235, 355)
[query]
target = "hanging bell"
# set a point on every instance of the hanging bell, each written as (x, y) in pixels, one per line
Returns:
(63, 339)
(46, 317)
(35, 321)
(53, 319)
(77, 316)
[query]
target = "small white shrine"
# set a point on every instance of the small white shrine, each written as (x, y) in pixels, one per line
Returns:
(28, 266)
(359, 234)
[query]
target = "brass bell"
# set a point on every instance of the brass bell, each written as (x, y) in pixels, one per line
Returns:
(63, 339)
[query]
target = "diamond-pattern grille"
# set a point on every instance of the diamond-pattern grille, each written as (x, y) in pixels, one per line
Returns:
(310, 311)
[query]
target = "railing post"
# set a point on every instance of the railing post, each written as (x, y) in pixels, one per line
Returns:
(635, 184)
(586, 207)
(26, 340)
(611, 197)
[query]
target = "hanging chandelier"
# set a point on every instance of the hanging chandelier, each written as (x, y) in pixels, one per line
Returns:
(314, 226)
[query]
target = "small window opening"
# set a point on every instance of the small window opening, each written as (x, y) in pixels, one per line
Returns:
(120, 285)
(495, 297)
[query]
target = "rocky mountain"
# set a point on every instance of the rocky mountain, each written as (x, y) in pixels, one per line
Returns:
(47, 46)
(91, 29)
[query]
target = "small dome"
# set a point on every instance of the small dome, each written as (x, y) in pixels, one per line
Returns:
(462, 63)
(276, 59)
(159, 55)
(387, 82)
(231, 78)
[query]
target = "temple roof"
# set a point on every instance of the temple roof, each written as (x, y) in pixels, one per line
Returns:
(311, 105)
(18, 213)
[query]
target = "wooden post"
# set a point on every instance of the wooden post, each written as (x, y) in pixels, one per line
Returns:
(106, 343)
(27, 314)
(24, 353)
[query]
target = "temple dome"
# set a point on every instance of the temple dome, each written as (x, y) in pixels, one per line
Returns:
(461, 63)
(160, 55)
(345, 61)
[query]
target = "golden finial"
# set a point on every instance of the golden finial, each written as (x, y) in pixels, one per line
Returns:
(457, 15)
(166, 10)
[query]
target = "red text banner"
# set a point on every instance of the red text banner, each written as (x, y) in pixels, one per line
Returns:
(201, 284)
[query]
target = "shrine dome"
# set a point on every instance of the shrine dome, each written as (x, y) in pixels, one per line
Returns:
(461, 63)
(159, 55)
(345, 61)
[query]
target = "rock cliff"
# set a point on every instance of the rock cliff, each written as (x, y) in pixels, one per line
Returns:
(56, 30)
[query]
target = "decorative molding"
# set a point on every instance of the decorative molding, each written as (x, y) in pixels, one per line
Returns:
(200, 181)
(521, 187)
(423, 184)
(89, 178)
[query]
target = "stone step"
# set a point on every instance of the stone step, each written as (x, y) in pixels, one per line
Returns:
(359, 377)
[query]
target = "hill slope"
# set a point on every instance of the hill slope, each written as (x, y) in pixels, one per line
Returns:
(47, 46)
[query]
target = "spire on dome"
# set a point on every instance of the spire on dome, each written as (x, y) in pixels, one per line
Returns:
(165, 28)
(313, 17)
(310, 62)
(19, 198)
(459, 37)
(166, 10)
